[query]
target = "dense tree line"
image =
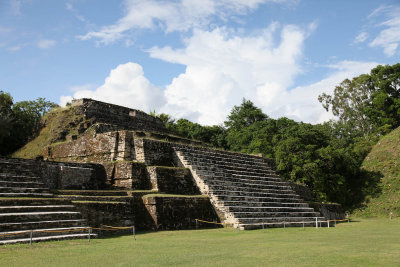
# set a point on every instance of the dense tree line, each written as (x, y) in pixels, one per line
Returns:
(19, 121)
(326, 157)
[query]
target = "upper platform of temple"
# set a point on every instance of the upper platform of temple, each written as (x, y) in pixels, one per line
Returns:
(101, 112)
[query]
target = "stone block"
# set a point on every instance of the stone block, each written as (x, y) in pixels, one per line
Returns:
(179, 212)
(172, 180)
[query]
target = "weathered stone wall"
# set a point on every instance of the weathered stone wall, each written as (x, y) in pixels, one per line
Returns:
(87, 148)
(132, 175)
(154, 152)
(58, 175)
(122, 116)
(331, 211)
(169, 212)
(173, 180)
(302, 190)
(95, 147)
(103, 213)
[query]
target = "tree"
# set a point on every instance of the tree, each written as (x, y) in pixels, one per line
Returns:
(369, 103)
(244, 115)
(6, 103)
(20, 121)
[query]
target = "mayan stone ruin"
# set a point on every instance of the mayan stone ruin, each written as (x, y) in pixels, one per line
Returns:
(121, 167)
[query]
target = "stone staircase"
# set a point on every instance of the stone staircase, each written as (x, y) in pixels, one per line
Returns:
(245, 190)
(28, 208)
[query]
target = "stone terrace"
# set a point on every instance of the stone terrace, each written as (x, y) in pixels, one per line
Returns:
(27, 205)
(245, 190)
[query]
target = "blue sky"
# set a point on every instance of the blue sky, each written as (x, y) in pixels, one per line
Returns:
(194, 59)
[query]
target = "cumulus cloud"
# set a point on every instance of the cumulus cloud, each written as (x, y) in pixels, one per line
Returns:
(389, 37)
(223, 67)
(46, 44)
(126, 85)
(171, 16)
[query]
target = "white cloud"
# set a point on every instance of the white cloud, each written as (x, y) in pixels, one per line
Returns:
(83, 87)
(180, 15)
(16, 47)
(127, 86)
(223, 67)
(45, 44)
(360, 38)
(389, 37)
(5, 30)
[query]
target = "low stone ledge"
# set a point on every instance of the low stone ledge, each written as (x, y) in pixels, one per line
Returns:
(179, 211)
(331, 211)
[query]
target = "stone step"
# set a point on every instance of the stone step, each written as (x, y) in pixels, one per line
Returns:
(96, 198)
(7, 201)
(248, 184)
(242, 192)
(23, 190)
(16, 226)
(235, 188)
(232, 166)
(294, 214)
(32, 208)
(38, 216)
(279, 219)
(46, 238)
(42, 232)
(276, 225)
(26, 172)
(267, 209)
(21, 184)
(19, 178)
(223, 198)
(204, 158)
(222, 155)
(239, 178)
(18, 195)
(259, 204)
(92, 192)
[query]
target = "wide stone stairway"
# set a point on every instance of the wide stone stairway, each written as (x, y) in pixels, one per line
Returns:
(28, 208)
(245, 190)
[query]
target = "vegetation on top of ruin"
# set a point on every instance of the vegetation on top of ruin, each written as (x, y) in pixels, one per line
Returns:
(20, 121)
(56, 126)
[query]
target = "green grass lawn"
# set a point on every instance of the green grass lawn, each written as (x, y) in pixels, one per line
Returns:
(364, 242)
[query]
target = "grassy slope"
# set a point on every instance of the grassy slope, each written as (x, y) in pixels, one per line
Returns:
(369, 242)
(385, 158)
(57, 124)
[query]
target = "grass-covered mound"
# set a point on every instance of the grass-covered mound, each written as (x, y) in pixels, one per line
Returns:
(56, 126)
(385, 159)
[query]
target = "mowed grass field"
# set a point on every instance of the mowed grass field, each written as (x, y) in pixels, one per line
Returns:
(363, 242)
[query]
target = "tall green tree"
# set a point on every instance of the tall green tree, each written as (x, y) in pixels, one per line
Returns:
(20, 121)
(6, 113)
(369, 103)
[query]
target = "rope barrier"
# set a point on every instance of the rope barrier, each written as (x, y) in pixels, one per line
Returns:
(212, 222)
(117, 227)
